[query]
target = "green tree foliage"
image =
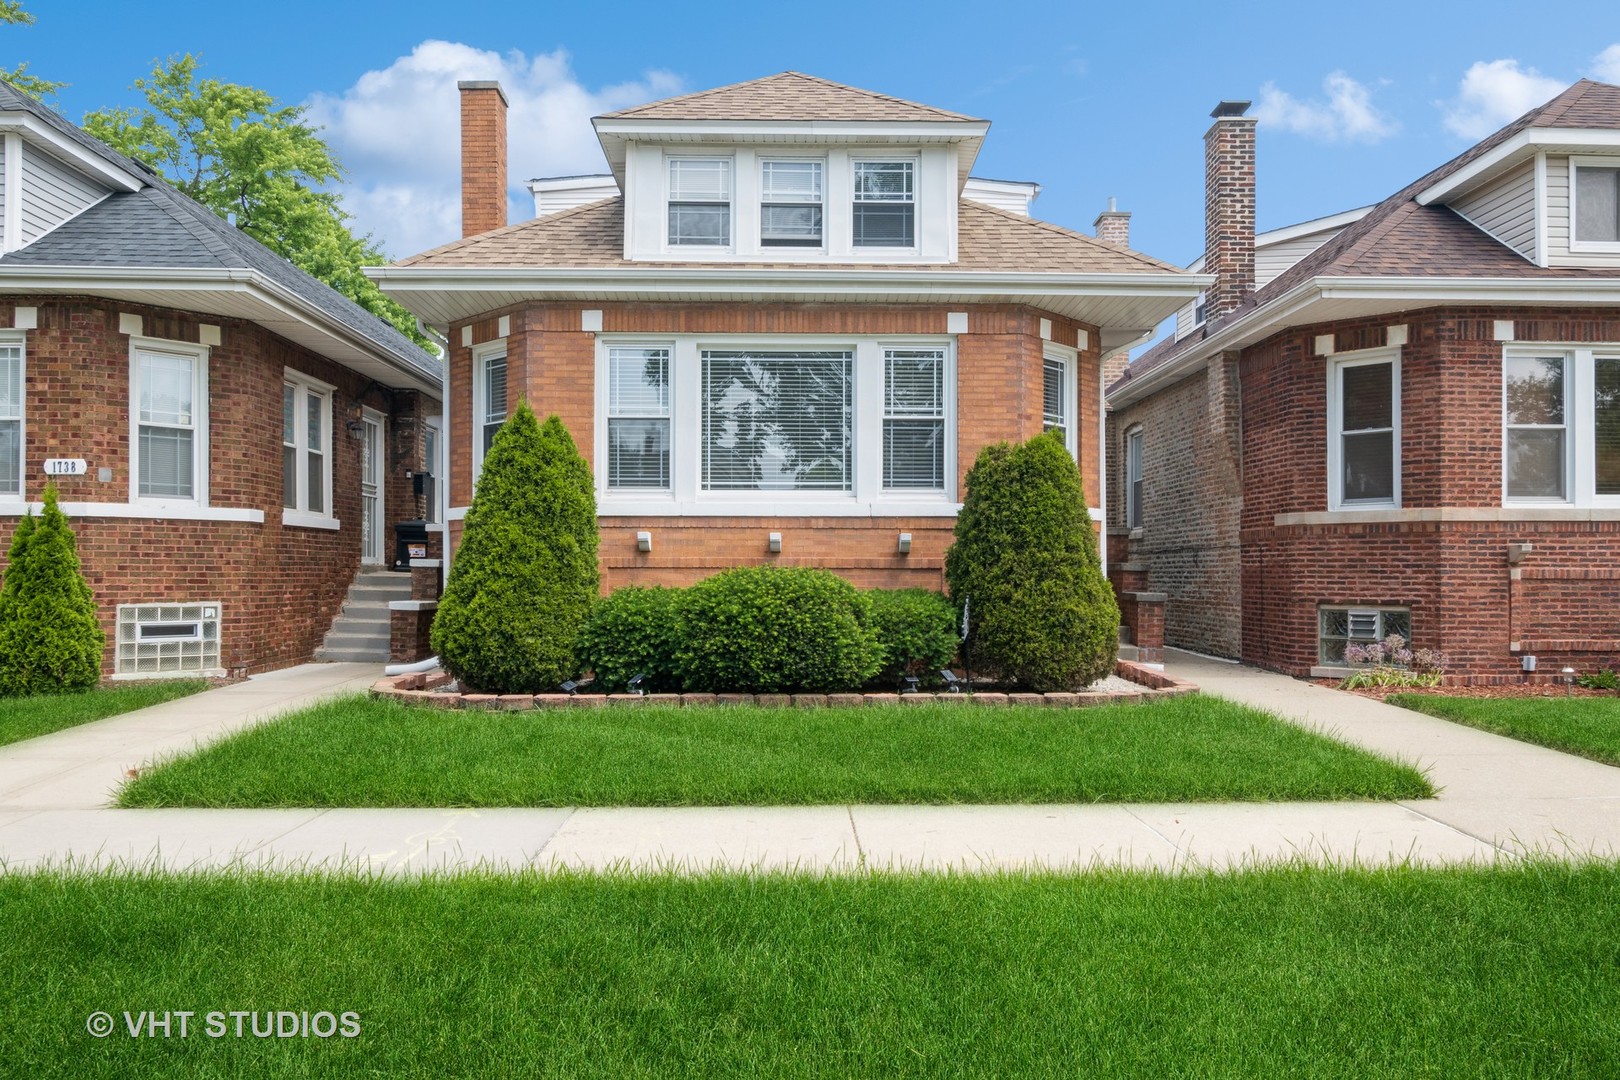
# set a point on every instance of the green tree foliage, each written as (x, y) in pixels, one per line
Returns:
(634, 631)
(236, 151)
(50, 638)
(524, 578)
(775, 629)
(12, 14)
(1042, 614)
(917, 630)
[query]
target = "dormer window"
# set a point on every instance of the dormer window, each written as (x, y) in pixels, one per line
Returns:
(885, 204)
(1596, 206)
(790, 204)
(699, 202)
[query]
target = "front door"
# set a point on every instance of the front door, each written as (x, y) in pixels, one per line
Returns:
(371, 490)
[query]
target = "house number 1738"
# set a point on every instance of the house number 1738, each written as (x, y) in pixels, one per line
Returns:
(61, 466)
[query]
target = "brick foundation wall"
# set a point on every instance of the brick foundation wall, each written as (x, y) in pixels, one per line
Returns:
(279, 587)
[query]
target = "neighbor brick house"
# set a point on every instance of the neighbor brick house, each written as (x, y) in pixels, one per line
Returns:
(781, 330)
(231, 438)
(1405, 418)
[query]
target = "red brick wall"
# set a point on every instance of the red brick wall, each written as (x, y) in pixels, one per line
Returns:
(279, 587)
(999, 378)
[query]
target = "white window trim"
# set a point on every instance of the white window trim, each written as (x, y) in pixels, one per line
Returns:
(481, 354)
(199, 354)
(1594, 246)
(1336, 365)
(20, 339)
(434, 463)
(711, 250)
(1580, 422)
(760, 162)
(301, 516)
(864, 158)
(1070, 359)
(686, 496)
(1135, 448)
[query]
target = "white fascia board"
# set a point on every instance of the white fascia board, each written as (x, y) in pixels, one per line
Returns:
(38, 132)
(113, 279)
(1520, 147)
(731, 131)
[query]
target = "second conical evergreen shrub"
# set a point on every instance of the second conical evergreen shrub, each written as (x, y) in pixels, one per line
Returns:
(50, 637)
(1042, 616)
(524, 577)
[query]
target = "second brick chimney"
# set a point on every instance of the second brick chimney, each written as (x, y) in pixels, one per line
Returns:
(1113, 225)
(1229, 208)
(483, 157)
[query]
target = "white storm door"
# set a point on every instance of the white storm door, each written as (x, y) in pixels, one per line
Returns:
(371, 490)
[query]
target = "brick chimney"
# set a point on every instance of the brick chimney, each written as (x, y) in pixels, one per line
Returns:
(483, 157)
(1113, 225)
(1229, 208)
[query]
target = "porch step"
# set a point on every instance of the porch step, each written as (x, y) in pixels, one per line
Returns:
(360, 633)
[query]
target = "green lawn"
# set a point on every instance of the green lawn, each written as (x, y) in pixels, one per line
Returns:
(360, 751)
(41, 714)
(1281, 972)
(1589, 726)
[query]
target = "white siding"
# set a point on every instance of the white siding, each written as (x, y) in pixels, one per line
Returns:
(553, 196)
(51, 193)
(1558, 253)
(1184, 319)
(3, 163)
(1013, 196)
(1506, 209)
(1270, 260)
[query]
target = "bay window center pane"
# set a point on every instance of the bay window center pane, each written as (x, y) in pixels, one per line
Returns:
(1535, 389)
(777, 421)
(1606, 423)
(1368, 402)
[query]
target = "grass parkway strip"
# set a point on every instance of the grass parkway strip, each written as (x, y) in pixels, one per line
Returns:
(1277, 972)
(40, 714)
(1588, 726)
(361, 752)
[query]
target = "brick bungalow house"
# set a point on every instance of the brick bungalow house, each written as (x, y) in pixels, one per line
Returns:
(1404, 419)
(230, 437)
(778, 331)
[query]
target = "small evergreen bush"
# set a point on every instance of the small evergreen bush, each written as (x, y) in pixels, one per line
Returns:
(525, 575)
(1042, 615)
(776, 629)
(50, 638)
(633, 631)
(917, 631)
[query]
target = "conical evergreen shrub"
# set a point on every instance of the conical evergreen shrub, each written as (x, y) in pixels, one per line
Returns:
(525, 574)
(50, 638)
(1042, 616)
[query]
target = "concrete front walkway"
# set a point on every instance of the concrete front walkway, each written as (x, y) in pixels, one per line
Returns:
(1500, 798)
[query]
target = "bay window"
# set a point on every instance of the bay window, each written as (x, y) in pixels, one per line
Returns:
(169, 440)
(638, 417)
(699, 202)
(790, 204)
(306, 446)
(885, 204)
(1058, 398)
(489, 397)
(11, 417)
(1364, 430)
(777, 420)
(914, 419)
(1561, 425)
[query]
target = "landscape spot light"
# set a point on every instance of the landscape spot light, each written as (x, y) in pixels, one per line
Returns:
(911, 682)
(1569, 681)
(569, 687)
(952, 683)
(634, 686)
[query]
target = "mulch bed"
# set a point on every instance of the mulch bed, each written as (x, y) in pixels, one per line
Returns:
(1379, 693)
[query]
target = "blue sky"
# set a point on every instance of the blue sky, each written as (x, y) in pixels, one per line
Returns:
(1091, 101)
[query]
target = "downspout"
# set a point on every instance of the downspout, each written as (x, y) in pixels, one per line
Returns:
(441, 492)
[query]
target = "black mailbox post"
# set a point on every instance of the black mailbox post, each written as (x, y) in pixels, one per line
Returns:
(409, 535)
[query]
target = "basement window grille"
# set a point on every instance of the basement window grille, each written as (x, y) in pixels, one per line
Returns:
(1341, 626)
(158, 641)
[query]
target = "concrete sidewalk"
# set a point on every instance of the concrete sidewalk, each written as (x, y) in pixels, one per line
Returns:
(1500, 799)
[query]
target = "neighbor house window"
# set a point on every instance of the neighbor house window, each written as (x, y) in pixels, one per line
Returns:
(790, 203)
(1342, 626)
(1364, 441)
(700, 202)
(914, 419)
(885, 204)
(1056, 384)
(170, 421)
(1561, 425)
(11, 417)
(638, 417)
(489, 396)
(306, 445)
(1133, 479)
(1596, 203)
(777, 421)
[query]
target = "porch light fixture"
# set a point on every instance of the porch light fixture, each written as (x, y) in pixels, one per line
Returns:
(356, 429)
(905, 543)
(952, 683)
(774, 544)
(643, 541)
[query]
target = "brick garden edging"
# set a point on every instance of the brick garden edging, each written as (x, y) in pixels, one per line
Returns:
(422, 690)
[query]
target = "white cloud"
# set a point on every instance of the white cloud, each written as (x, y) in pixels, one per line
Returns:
(1492, 92)
(1346, 114)
(1606, 65)
(398, 133)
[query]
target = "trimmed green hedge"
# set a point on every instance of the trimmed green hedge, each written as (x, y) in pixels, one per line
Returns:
(916, 629)
(634, 631)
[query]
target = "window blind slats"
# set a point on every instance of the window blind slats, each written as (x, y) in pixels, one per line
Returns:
(638, 418)
(1054, 396)
(10, 382)
(914, 419)
(776, 421)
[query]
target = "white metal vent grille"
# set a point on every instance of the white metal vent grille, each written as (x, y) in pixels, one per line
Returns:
(162, 640)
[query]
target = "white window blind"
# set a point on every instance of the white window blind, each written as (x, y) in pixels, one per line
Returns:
(777, 421)
(11, 414)
(1055, 397)
(914, 419)
(493, 406)
(1606, 423)
(1537, 429)
(790, 204)
(700, 201)
(167, 428)
(885, 204)
(638, 417)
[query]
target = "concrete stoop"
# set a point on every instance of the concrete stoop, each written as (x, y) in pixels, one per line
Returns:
(360, 632)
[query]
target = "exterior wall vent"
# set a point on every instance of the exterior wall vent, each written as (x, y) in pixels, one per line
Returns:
(157, 641)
